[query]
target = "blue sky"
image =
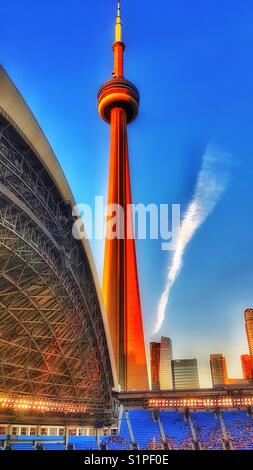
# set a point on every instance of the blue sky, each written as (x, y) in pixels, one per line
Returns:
(192, 62)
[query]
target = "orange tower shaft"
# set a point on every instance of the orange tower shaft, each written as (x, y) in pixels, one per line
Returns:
(118, 101)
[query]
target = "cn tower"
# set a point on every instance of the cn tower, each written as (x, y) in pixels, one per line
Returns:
(118, 103)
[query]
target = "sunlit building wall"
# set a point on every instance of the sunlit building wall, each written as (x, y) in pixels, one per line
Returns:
(155, 365)
(237, 381)
(247, 366)
(166, 356)
(185, 374)
(219, 372)
(248, 315)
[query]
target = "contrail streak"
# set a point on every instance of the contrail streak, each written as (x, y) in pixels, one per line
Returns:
(211, 183)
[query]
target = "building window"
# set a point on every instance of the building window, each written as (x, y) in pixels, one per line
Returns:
(92, 432)
(24, 431)
(15, 431)
(82, 432)
(114, 432)
(3, 430)
(44, 431)
(53, 431)
(73, 432)
(61, 432)
(33, 431)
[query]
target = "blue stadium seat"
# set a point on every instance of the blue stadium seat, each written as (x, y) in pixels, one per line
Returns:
(115, 443)
(84, 442)
(144, 428)
(208, 430)
(239, 427)
(54, 446)
(123, 429)
(176, 429)
(22, 446)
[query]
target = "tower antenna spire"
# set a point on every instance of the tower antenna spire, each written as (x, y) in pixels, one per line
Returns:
(118, 29)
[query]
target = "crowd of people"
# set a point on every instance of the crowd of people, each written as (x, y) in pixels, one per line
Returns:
(240, 434)
(114, 442)
(209, 439)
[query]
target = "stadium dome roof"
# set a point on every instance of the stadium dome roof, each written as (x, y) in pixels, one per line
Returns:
(54, 340)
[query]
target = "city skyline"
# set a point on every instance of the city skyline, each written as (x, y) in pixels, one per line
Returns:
(163, 364)
(214, 286)
(169, 373)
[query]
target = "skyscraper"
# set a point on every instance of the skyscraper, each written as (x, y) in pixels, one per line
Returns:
(247, 366)
(166, 357)
(118, 103)
(155, 365)
(248, 315)
(219, 372)
(185, 374)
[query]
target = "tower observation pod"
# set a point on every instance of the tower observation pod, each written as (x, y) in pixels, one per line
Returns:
(118, 103)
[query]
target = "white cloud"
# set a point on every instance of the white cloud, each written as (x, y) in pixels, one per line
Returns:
(211, 183)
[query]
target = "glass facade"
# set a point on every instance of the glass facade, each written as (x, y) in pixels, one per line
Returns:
(185, 374)
(166, 356)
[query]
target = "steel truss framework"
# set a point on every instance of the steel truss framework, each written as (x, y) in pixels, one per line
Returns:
(52, 337)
